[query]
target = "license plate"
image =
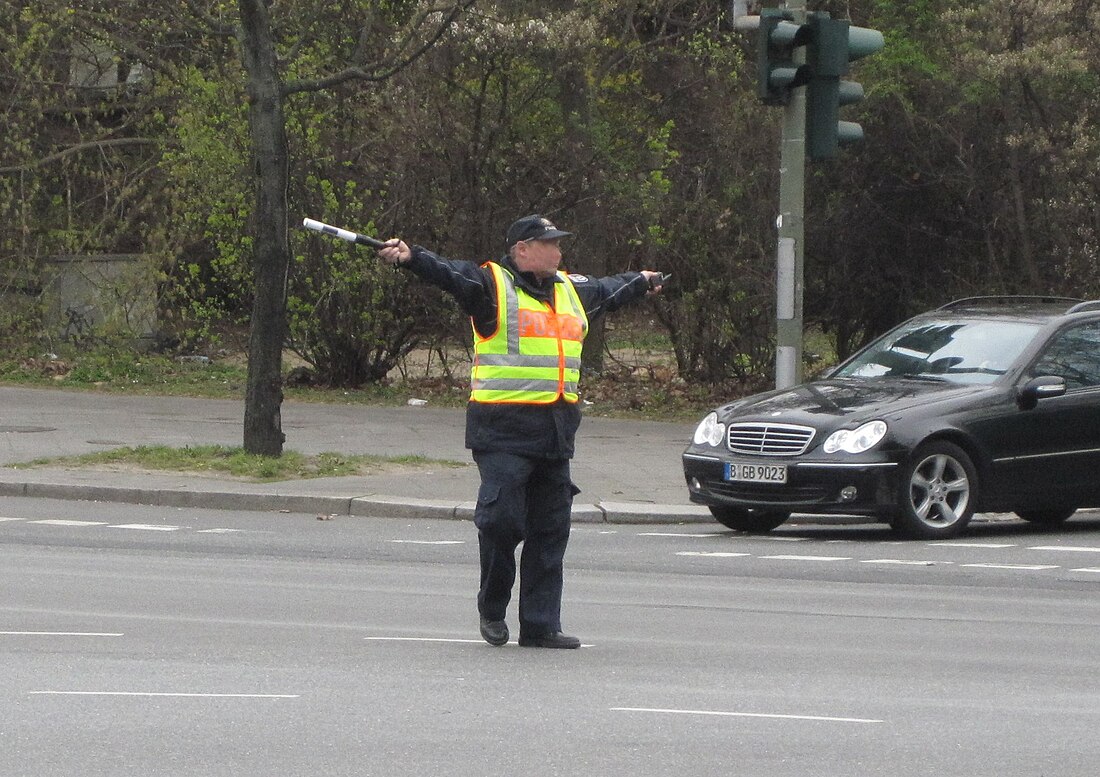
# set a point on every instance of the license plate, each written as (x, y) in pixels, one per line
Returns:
(751, 472)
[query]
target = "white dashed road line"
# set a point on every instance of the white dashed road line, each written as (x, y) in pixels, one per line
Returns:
(442, 639)
(171, 695)
(1028, 567)
(972, 544)
(904, 562)
(714, 554)
(721, 713)
(61, 522)
(889, 561)
(144, 527)
(137, 526)
(429, 542)
(422, 639)
(59, 634)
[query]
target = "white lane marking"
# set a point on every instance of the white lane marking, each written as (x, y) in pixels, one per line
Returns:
(745, 715)
(675, 534)
(782, 539)
(972, 544)
(60, 634)
(1070, 548)
(438, 639)
(1032, 567)
(1086, 569)
(175, 695)
(60, 522)
(809, 558)
(714, 554)
(422, 639)
(903, 561)
(419, 639)
(144, 527)
(430, 542)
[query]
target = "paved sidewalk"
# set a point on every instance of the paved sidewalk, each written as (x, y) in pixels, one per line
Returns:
(628, 471)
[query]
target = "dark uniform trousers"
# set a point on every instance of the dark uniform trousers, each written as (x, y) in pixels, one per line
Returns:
(524, 499)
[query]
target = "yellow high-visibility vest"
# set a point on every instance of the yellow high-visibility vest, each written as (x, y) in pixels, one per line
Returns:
(534, 356)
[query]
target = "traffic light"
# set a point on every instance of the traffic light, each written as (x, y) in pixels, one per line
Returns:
(777, 72)
(832, 45)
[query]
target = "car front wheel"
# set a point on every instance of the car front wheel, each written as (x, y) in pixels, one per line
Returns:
(938, 489)
(753, 521)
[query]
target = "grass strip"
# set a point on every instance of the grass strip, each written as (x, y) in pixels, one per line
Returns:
(225, 460)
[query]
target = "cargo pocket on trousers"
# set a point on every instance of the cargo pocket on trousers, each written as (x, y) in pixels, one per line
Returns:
(488, 505)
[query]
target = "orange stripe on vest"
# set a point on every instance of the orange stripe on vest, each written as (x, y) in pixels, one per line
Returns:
(543, 323)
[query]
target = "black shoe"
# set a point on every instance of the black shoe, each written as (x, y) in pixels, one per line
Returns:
(494, 632)
(554, 639)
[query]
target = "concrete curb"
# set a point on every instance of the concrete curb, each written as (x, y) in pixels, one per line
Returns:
(383, 506)
(641, 512)
(371, 506)
(164, 497)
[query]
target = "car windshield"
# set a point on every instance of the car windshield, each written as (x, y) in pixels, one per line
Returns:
(976, 351)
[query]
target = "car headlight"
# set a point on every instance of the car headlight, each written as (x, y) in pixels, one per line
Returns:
(855, 440)
(709, 431)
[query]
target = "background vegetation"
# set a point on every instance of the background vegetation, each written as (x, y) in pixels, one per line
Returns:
(633, 123)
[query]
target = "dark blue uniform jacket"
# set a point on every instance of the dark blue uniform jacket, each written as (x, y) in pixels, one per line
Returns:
(529, 430)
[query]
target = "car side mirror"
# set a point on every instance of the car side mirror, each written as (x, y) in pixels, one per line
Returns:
(1042, 387)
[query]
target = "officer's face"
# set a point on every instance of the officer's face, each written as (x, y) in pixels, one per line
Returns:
(541, 257)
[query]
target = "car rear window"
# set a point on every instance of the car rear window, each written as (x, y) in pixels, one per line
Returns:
(977, 351)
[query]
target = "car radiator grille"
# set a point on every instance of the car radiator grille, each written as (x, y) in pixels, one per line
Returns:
(769, 439)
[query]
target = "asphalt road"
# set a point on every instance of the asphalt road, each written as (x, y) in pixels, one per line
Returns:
(156, 641)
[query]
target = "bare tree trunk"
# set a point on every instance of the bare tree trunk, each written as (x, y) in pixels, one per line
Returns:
(572, 83)
(1023, 225)
(271, 249)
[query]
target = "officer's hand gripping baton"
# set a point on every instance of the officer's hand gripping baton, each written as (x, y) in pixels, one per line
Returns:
(343, 234)
(658, 279)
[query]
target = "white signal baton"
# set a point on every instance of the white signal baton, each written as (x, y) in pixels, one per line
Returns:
(343, 234)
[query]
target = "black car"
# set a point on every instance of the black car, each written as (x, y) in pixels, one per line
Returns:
(988, 404)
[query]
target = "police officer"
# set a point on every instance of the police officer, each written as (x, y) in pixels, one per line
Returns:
(529, 321)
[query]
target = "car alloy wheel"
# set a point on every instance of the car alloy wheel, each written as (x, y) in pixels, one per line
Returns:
(752, 521)
(938, 491)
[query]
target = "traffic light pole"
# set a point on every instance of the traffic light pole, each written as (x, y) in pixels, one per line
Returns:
(801, 58)
(791, 228)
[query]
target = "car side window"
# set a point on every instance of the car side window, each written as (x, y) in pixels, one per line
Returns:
(1073, 354)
